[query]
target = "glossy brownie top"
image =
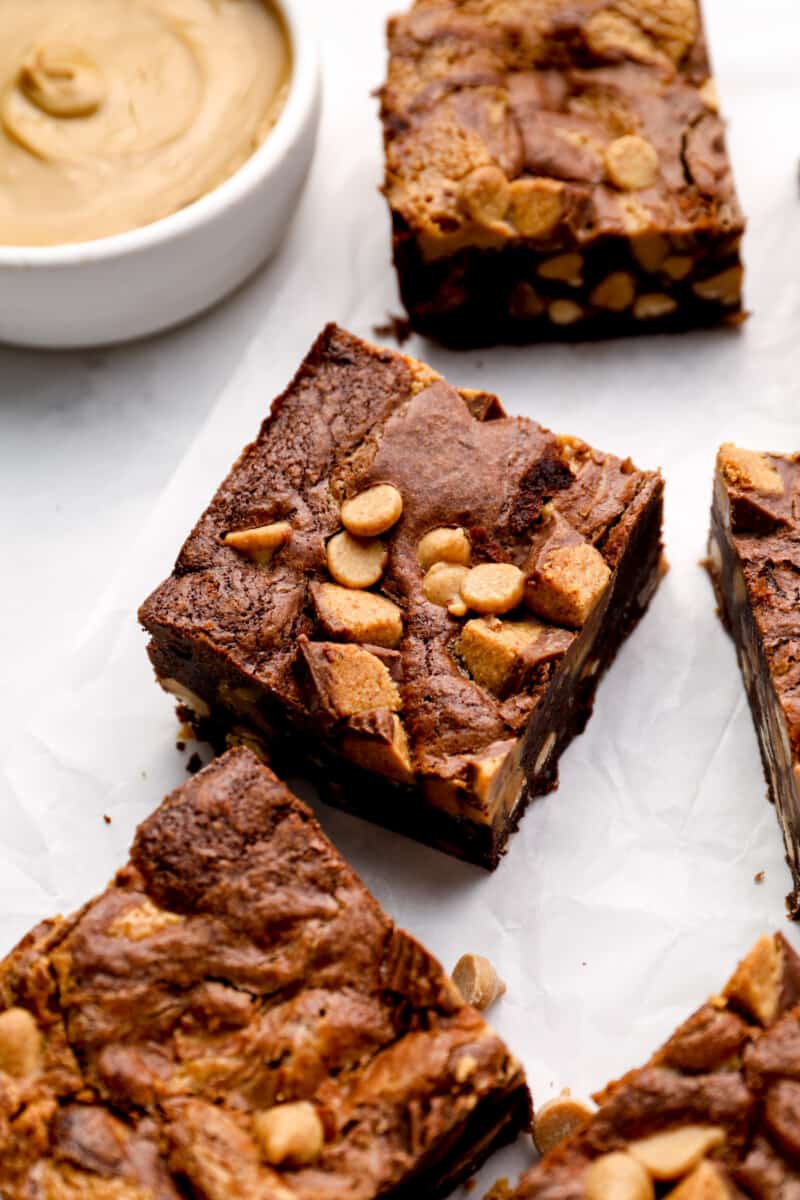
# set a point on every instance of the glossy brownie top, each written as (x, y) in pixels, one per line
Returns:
(519, 120)
(757, 497)
(715, 1114)
(443, 685)
(153, 1041)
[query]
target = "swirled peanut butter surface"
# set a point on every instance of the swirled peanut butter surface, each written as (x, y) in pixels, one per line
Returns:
(115, 113)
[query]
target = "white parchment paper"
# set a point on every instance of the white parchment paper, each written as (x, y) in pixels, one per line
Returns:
(628, 894)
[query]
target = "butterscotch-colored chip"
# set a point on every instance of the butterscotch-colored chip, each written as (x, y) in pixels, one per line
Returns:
(477, 981)
(356, 563)
(557, 1120)
(725, 288)
(617, 1176)
(493, 588)
(615, 292)
(757, 982)
(442, 586)
(677, 266)
(536, 206)
(670, 1154)
(567, 268)
(290, 1135)
(653, 305)
(491, 648)
(260, 544)
(748, 469)
(564, 312)
(20, 1043)
(451, 545)
(373, 511)
(358, 616)
(650, 250)
(565, 587)
(631, 163)
(484, 195)
(703, 1183)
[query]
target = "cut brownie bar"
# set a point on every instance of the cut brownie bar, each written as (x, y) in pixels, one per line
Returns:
(557, 168)
(235, 1018)
(407, 594)
(714, 1115)
(754, 561)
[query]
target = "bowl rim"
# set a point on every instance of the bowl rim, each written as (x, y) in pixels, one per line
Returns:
(207, 208)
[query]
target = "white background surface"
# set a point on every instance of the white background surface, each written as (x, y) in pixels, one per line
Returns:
(628, 894)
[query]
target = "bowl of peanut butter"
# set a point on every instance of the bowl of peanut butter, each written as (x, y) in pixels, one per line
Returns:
(152, 153)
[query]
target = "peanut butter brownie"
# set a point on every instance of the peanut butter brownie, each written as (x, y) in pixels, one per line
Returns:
(754, 561)
(235, 1018)
(407, 594)
(714, 1115)
(557, 168)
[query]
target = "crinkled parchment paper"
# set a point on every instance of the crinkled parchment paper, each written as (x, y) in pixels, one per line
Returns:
(628, 894)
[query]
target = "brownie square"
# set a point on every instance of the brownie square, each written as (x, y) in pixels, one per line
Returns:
(754, 562)
(407, 595)
(235, 1018)
(558, 169)
(713, 1115)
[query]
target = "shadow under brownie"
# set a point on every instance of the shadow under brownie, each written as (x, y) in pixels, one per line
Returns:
(407, 595)
(754, 563)
(714, 1115)
(558, 169)
(236, 1018)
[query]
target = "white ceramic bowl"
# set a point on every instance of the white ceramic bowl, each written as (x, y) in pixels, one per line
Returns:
(144, 281)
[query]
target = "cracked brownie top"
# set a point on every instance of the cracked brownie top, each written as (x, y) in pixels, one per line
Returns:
(510, 119)
(398, 565)
(234, 1016)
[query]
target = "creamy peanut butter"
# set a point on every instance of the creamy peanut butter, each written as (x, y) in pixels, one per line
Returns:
(115, 113)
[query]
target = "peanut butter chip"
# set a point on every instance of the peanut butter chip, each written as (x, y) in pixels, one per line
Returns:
(537, 206)
(653, 305)
(567, 585)
(359, 616)
(617, 1176)
(631, 163)
(20, 1043)
(670, 1154)
(290, 1135)
(442, 586)
(557, 1119)
(484, 195)
(372, 512)
(260, 543)
(186, 696)
(615, 292)
(756, 983)
(491, 649)
(444, 545)
(493, 588)
(355, 563)
(477, 981)
(564, 312)
(703, 1183)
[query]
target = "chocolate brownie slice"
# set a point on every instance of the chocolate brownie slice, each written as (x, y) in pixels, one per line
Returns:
(557, 168)
(235, 1018)
(407, 594)
(754, 561)
(714, 1115)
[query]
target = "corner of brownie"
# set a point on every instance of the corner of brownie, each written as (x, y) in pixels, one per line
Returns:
(408, 595)
(235, 1017)
(558, 169)
(712, 1116)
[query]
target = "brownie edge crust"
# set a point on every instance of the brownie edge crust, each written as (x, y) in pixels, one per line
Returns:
(407, 595)
(715, 1113)
(754, 563)
(558, 169)
(235, 1018)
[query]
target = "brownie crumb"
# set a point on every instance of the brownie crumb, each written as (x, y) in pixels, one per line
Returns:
(396, 327)
(468, 1185)
(500, 1190)
(758, 877)
(107, 819)
(194, 764)
(180, 746)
